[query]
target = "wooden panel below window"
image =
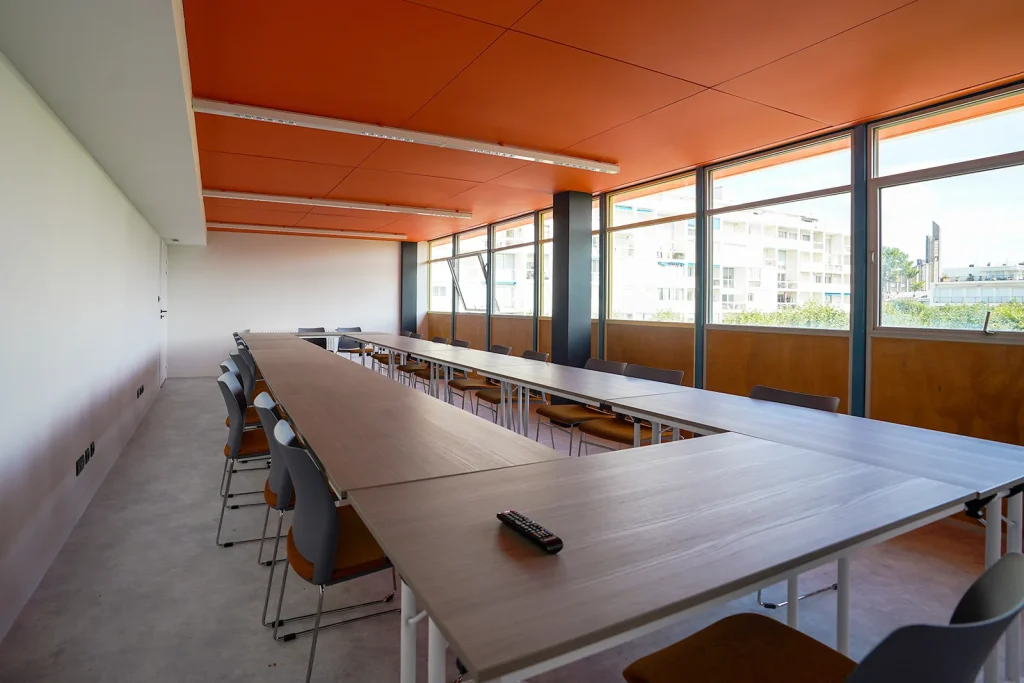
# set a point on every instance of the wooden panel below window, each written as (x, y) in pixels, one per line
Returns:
(544, 336)
(438, 325)
(738, 360)
(658, 345)
(967, 388)
(472, 327)
(514, 331)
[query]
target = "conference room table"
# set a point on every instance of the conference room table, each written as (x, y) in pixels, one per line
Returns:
(982, 470)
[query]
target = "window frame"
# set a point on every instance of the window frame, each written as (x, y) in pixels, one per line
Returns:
(526, 244)
(876, 184)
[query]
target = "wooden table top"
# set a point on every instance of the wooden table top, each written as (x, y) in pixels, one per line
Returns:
(648, 534)
(985, 466)
(368, 430)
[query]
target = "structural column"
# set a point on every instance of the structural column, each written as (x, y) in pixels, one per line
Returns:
(570, 309)
(410, 258)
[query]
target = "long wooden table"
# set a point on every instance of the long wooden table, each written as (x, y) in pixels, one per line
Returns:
(648, 536)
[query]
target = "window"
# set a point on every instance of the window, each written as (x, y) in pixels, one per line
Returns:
(666, 199)
(511, 233)
(547, 255)
(775, 250)
(951, 244)
(473, 240)
(471, 285)
(513, 281)
(440, 276)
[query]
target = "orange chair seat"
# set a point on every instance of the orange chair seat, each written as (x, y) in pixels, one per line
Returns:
(357, 552)
(271, 497)
(362, 350)
(743, 647)
(572, 414)
(493, 395)
(470, 384)
(412, 367)
(382, 358)
(618, 430)
(422, 373)
(254, 442)
(251, 417)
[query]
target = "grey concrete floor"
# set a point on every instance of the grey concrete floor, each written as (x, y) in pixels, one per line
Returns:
(140, 592)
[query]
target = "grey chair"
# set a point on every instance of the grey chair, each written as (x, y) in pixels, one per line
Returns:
(327, 545)
(828, 404)
(242, 446)
(752, 648)
(415, 335)
(565, 418)
(318, 341)
(405, 333)
(464, 385)
(351, 346)
(621, 430)
(416, 370)
(278, 492)
(491, 396)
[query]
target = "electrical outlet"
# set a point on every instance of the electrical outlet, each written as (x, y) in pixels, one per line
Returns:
(79, 465)
(87, 455)
(141, 390)
(92, 448)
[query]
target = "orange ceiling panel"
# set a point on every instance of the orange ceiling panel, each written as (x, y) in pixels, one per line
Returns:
(368, 222)
(257, 138)
(918, 53)
(439, 162)
(243, 173)
(249, 213)
(218, 202)
(534, 93)
(703, 42)
(383, 187)
(490, 202)
(500, 12)
(420, 228)
(376, 62)
(703, 128)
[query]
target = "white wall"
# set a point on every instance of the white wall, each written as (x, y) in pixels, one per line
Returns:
(79, 280)
(274, 282)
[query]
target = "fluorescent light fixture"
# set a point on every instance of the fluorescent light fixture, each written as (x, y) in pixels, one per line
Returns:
(336, 204)
(288, 118)
(312, 232)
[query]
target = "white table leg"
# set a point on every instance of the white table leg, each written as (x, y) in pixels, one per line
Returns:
(655, 433)
(1015, 516)
(500, 417)
(636, 433)
(525, 396)
(843, 607)
(793, 601)
(408, 636)
(675, 434)
(437, 649)
(993, 549)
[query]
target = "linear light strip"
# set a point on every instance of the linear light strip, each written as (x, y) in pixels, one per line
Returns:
(337, 204)
(288, 118)
(244, 227)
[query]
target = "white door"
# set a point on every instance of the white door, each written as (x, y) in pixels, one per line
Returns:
(162, 301)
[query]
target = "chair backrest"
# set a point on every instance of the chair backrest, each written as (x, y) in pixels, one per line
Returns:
(461, 343)
(536, 355)
(501, 350)
(415, 335)
(953, 653)
(405, 333)
(319, 341)
(234, 401)
(829, 404)
(654, 374)
(278, 479)
(440, 340)
(609, 366)
(245, 353)
(315, 522)
(248, 378)
(228, 365)
(344, 343)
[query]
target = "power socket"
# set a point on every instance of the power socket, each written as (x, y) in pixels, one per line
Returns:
(140, 391)
(79, 465)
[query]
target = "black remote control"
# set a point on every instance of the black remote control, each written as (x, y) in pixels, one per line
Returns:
(531, 531)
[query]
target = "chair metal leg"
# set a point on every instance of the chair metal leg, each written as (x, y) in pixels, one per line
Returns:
(273, 566)
(224, 474)
(316, 632)
(223, 506)
(777, 605)
(263, 536)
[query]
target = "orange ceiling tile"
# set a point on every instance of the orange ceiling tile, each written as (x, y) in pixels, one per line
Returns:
(918, 53)
(490, 202)
(420, 228)
(218, 202)
(368, 222)
(500, 12)
(383, 187)
(533, 93)
(439, 162)
(257, 138)
(249, 213)
(703, 128)
(376, 62)
(243, 173)
(663, 34)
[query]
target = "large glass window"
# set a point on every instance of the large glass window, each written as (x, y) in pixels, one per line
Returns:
(440, 276)
(652, 268)
(547, 256)
(514, 274)
(782, 264)
(473, 240)
(470, 283)
(951, 245)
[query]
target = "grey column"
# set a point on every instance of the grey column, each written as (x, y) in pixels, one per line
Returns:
(407, 305)
(570, 309)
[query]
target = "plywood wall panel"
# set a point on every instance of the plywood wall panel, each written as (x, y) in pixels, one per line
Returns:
(658, 345)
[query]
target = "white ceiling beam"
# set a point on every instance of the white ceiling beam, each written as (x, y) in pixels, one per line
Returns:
(288, 118)
(337, 204)
(316, 232)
